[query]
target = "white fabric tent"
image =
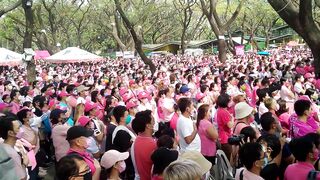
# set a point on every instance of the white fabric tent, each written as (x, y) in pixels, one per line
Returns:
(10, 58)
(73, 54)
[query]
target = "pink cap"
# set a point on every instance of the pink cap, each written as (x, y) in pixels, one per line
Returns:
(131, 82)
(143, 94)
(131, 104)
(89, 106)
(63, 94)
(126, 97)
(199, 96)
(110, 158)
(83, 120)
(308, 75)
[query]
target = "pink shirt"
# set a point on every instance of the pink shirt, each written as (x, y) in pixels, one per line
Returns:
(299, 128)
(208, 146)
(239, 126)
(254, 97)
(284, 120)
(15, 108)
(298, 171)
(61, 145)
(223, 117)
(143, 148)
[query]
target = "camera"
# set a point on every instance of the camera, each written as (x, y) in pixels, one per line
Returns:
(235, 140)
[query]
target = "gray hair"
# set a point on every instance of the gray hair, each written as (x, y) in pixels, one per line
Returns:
(182, 170)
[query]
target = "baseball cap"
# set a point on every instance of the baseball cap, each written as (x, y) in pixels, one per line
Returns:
(110, 157)
(184, 89)
(77, 131)
(126, 97)
(199, 96)
(82, 88)
(63, 94)
(142, 95)
(197, 157)
(83, 120)
(242, 110)
(131, 104)
(56, 113)
(89, 106)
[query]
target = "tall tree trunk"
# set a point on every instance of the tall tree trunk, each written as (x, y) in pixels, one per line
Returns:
(183, 43)
(222, 48)
(27, 42)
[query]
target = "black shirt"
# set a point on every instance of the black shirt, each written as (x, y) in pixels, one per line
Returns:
(270, 172)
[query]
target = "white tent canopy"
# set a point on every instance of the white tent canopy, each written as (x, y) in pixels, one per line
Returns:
(73, 54)
(10, 58)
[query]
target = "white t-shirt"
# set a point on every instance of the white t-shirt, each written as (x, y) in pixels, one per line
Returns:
(168, 103)
(284, 94)
(184, 129)
(298, 88)
(262, 109)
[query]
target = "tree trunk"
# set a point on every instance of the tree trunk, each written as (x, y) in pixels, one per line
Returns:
(136, 39)
(222, 48)
(183, 43)
(299, 17)
(27, 42)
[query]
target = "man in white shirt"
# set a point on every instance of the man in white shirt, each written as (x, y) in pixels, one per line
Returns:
(186, 128)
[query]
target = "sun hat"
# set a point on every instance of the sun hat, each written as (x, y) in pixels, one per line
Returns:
(197, 157)
(82, 88)
(242, 110)
(110, 157)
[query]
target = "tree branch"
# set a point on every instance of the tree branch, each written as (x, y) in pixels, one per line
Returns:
(10, 8)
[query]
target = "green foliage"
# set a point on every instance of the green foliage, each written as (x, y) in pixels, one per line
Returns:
(88, 24)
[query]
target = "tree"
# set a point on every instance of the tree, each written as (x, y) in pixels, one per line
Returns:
(299, 16)
(27, 42)
(137, 39)
(218, 27)
(10, 7)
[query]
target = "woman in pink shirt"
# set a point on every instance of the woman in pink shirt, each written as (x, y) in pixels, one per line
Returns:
(225, 123)
(306, 154)
(208, 134)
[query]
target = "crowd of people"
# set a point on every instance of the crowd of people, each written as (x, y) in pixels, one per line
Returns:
(117, 120)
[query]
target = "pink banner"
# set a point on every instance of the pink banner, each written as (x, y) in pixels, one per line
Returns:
(239, 50)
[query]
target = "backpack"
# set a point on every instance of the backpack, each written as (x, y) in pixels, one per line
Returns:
(222, 170)
(312, 175)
